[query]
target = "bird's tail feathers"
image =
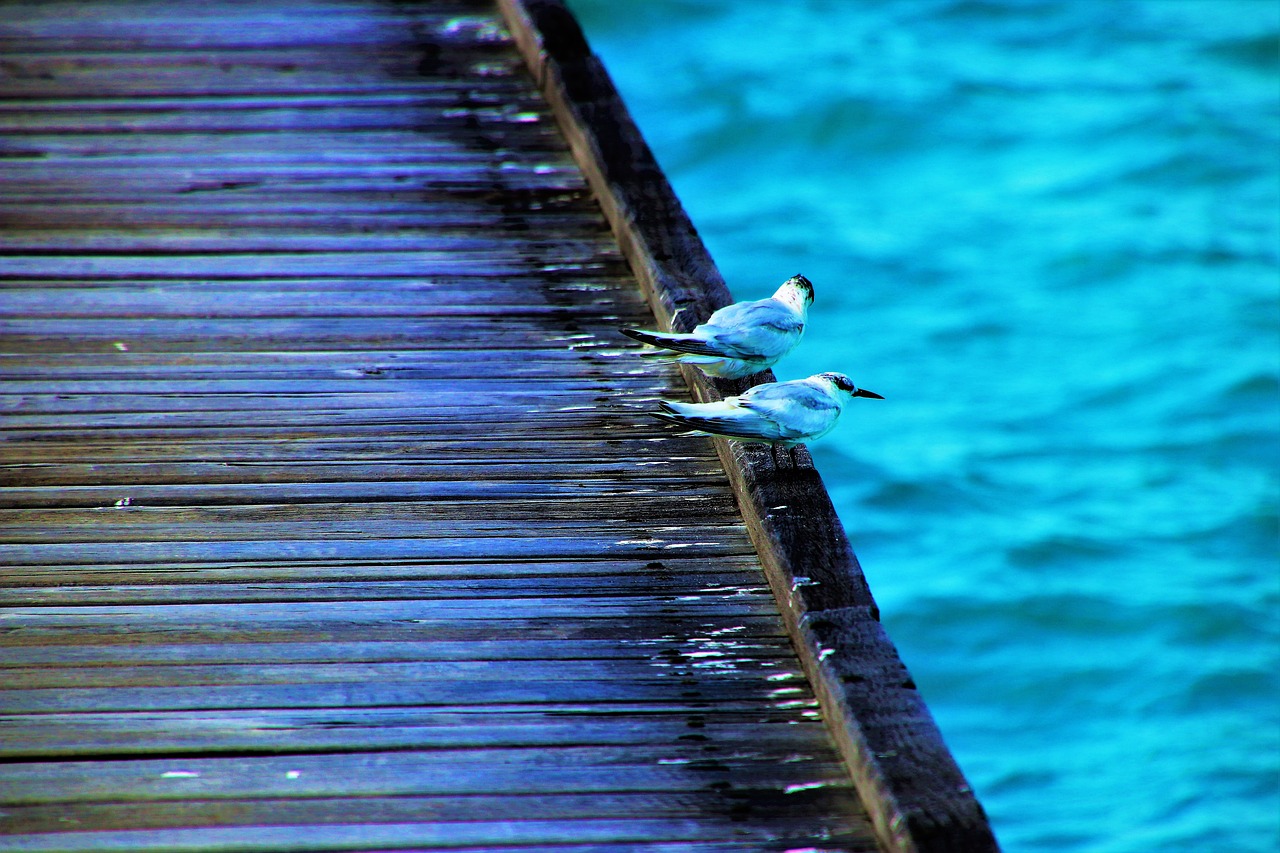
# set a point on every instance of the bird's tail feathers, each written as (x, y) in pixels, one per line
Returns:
(644, 336)
(666, 418)
(678, 342)
(686, 409)
(693, 424)
(750, 429)
(665, 356)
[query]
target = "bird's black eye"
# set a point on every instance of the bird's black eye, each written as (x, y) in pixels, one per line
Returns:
(843, 383)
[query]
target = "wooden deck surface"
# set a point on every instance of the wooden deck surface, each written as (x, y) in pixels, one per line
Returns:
(329, 515)
(329, 519)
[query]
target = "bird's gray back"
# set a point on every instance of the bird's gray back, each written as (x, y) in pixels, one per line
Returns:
(800, 408)
(765, 327)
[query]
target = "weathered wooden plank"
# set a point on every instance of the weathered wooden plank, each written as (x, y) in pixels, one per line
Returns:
(470, 579)
(602, 720)
(718, 646)
(510, 99)
(689, 583)
(116, 395)
(296, 611)
(709, 543)
(299, 118)
(192, 28)
(44, 241)
(613, 422)
(230, 172)
(737, 805)
(586, 835)
(709, 488)
(398, 297)
(82, 588)
(34, 463)
(510, 517)
(550, 691)
(183, 336)
(516, 402)
(289, 840)
(528, 156)
(600, 419)
(611, 425)
(461, 837)
(503, 260)
(554, 238)
(371, 385)
(566, 447)
(404, 773)
(608, 417)
(550, 806)
(226, 204)
(611, 676)
(447, 332)
(134, 527)
(226, 73)
(512, 144)
(329, 478)
(526, 406)
(463, 198)
(303, 493)
(364, 146)
(284, 180)
(672, 625)
(212, 473)
(372, 153)
(230, 72)
(260, 212)
(113, 362)
(585, 414)
(562, 279)
(282, 185)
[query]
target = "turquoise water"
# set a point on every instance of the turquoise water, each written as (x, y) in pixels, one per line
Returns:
(1047, 231)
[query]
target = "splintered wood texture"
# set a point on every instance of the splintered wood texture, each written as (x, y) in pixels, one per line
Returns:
(329, 515)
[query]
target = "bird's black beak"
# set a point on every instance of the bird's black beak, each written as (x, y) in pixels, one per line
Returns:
(863, 392)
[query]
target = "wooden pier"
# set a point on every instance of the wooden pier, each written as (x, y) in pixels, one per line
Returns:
(329, 515)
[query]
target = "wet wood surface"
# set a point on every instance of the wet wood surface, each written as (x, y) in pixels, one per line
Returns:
(329, 516)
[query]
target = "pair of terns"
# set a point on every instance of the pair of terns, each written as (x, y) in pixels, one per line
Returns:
(745, 338)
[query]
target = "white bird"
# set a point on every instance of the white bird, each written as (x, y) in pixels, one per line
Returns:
(776, 413)
(743, 338)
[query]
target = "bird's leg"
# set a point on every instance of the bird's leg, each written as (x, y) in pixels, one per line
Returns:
(773, 451)
(794, 462)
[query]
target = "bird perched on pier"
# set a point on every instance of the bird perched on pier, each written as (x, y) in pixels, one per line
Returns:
(743, 338)
(780, 414)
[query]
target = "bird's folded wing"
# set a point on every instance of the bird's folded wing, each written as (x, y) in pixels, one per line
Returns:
(797, 410)
(754, 330)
